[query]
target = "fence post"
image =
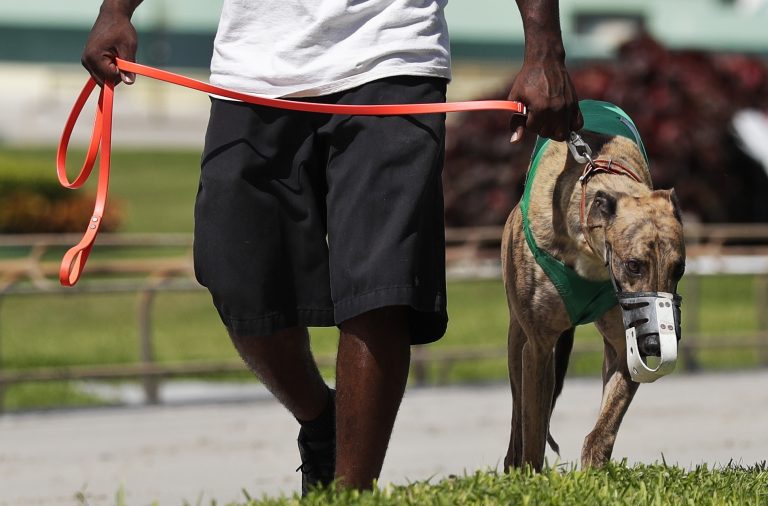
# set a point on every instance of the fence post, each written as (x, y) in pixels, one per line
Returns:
(419, 365)
(151, 383)
(2, 383)
(761, 305)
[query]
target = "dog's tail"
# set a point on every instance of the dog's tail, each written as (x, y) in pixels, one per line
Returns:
(563, 348)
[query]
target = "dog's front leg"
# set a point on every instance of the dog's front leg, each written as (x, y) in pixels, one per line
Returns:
(538, 386)
(618, 392)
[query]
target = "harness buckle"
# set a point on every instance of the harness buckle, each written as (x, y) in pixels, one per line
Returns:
(580, 150)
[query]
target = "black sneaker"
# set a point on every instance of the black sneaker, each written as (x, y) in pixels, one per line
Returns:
(318, 462)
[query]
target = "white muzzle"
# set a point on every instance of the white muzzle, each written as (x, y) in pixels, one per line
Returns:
(647, 316)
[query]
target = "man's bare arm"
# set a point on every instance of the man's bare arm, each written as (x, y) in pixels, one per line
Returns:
(543, 83)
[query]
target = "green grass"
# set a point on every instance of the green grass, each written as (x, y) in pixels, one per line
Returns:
(47, 395)
(616, 484)
(55, 330)
(80, 329)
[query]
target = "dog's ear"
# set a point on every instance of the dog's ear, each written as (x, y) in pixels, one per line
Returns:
(603, 208)
(671, 197)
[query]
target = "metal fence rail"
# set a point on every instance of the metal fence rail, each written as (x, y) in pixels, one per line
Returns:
(28, 266)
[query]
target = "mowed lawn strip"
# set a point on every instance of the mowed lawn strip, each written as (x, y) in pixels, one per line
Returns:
(615, 484)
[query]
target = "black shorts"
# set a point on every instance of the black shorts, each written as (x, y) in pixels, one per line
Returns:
(309, 219)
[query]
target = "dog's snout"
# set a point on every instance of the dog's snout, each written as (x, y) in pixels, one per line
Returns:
(649, 345)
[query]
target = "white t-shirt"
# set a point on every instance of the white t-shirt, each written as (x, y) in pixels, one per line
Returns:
(303, 48)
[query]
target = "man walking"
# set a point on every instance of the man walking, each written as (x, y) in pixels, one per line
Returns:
(308, 220)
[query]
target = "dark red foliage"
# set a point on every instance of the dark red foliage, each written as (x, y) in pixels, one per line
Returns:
(27, 212)
(682, 102)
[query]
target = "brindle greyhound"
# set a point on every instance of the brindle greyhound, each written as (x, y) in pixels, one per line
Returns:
(606, 217)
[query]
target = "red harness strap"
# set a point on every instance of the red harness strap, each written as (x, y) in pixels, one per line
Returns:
(101, 138)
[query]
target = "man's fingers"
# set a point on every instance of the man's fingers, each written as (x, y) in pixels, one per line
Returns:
(559, 135)
(127, 77)
(111, 71)
(535, 123)
(517, 126)
(101, 67)
(577, 123)
(517, 135)
(555, 123)
(88, 64)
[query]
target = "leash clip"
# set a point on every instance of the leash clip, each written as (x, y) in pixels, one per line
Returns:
(580, 150)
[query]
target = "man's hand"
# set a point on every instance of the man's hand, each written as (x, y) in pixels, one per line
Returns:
(112, 36)
(543, 83)
(548, 94)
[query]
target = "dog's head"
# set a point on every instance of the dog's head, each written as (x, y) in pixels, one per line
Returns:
(644, 244)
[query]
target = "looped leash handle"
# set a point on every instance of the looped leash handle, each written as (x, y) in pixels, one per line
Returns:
(74, 260)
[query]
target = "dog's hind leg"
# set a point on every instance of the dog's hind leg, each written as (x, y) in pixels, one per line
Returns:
(618, 391)
(515, 341)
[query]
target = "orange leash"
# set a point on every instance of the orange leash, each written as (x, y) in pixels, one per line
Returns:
(74, 260)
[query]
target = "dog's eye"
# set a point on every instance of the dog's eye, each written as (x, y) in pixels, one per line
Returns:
(633, 267)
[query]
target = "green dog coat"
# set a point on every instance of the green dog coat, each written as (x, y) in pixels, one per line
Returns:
(584, 299)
